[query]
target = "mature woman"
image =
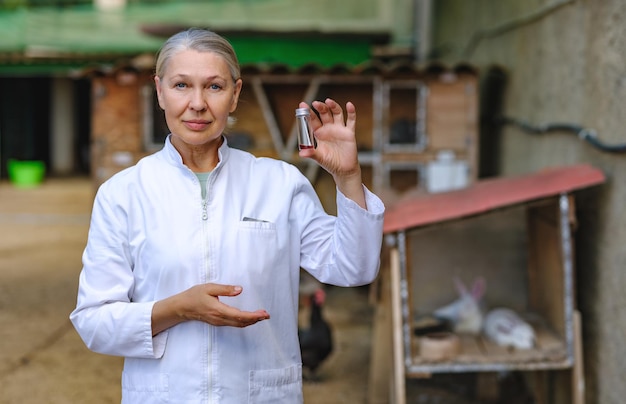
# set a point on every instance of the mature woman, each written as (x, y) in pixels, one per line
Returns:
(192, 263)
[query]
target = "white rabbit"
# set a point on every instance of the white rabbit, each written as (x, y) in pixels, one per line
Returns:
(465, 313)
(505, 327)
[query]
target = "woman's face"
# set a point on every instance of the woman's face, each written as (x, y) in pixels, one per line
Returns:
(197, 93)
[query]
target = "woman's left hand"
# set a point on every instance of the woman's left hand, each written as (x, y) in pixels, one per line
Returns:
(336, 149)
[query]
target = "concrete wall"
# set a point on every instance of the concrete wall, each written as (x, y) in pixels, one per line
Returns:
(564, 61)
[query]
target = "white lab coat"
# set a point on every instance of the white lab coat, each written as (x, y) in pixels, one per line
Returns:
(152, 237)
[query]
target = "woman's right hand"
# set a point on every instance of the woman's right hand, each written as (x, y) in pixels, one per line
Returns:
(202, 303)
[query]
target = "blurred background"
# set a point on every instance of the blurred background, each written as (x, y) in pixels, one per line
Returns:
(449, 93)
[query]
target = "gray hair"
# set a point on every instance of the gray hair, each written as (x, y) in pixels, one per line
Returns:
(201, 40)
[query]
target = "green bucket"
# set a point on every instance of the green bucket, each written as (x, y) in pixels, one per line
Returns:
(26, 173)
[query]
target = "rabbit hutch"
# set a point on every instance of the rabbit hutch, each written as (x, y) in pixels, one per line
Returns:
(510, 236)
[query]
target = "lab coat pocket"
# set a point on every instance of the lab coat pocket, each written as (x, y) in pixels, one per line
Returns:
(276, 386)
(257, 245)
(145, 387)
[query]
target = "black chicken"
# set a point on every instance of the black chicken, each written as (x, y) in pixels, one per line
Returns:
(316, 342)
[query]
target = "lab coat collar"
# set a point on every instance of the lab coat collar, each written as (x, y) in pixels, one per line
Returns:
(175, 158)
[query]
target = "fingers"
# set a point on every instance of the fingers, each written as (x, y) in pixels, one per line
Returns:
(351, 121)
(222, 314)
(233, 317)
(329, 111)
(215, 289)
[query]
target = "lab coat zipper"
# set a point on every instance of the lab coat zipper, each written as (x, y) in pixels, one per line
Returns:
(205, 218)
(205, 200)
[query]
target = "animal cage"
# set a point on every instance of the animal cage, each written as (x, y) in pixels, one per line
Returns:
(516, 234)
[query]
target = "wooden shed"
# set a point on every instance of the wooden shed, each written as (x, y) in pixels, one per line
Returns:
(515, 232)
(407, 115)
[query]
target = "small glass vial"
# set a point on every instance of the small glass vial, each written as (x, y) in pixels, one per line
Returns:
(305, 133)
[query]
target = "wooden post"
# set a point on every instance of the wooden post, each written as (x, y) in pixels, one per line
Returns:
(379, 389)
(578, 375)
(398, 376)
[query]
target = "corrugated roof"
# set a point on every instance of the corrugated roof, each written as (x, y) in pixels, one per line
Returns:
(395, 69)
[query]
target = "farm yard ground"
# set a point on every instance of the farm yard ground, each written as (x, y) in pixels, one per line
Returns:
(43, 360)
